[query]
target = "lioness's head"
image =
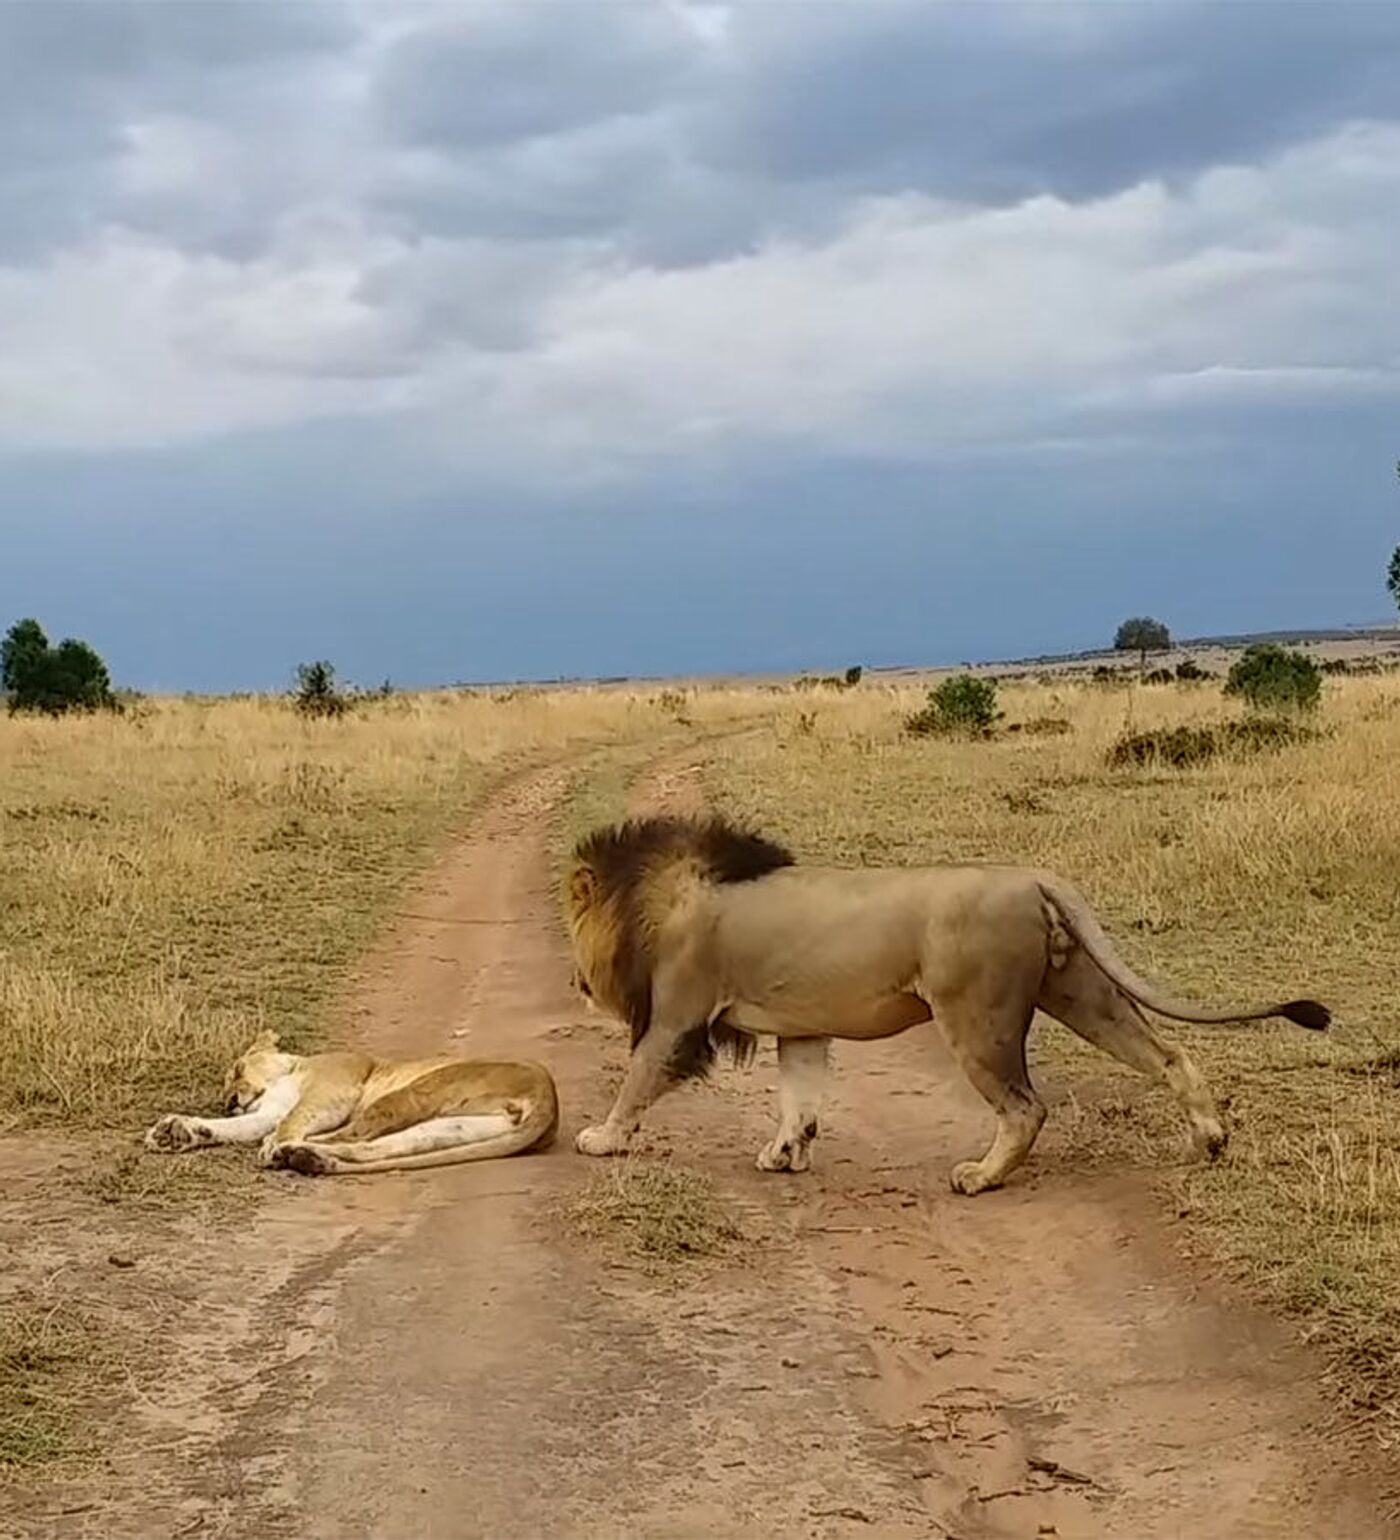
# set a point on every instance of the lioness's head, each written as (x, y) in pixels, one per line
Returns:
(260, 1063)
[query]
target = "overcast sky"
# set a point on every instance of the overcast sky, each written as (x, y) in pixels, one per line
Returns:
(521, 339)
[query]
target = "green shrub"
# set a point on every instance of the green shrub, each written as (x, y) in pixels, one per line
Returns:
(962, 704)
(316, 693)
(1160, 676)
(1188, 670)
(1272, 678)
(853, 675)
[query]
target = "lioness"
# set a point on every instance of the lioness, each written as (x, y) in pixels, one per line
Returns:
(349, 1113)
(698, 935)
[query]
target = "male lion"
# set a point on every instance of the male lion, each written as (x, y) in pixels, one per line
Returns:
(349, 1113)
(698, 935)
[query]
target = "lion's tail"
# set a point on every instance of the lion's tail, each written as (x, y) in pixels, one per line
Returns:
(1079, 920)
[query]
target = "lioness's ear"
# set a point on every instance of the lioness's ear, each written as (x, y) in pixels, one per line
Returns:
(265, 1040)
(582, 886)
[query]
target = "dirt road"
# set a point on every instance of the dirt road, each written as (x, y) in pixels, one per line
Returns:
(427, 1356)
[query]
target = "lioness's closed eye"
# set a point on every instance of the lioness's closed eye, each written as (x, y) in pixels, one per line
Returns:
(352, 1113)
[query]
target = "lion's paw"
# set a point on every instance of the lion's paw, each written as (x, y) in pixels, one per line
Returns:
(601, 1140)
(969, 1178)
(175, 1132)
(785, 1155)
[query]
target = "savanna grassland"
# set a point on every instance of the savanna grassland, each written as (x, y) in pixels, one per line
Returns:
(1247, 878)
(173, 879)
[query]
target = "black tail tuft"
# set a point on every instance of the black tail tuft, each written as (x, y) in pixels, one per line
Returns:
(1307, 1013)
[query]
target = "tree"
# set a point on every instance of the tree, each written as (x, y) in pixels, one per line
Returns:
(1392, 577)
(22, 656)
(37, 677)
(1141, 634)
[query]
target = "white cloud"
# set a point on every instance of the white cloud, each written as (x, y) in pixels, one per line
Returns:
(924, 328)
(918, 326)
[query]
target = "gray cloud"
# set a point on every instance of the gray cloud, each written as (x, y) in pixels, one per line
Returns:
(634, 228)
(496, 74)
(999, 102)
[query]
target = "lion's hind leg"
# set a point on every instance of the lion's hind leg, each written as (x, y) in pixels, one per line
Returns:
(989, 1042)
(1092, 1006)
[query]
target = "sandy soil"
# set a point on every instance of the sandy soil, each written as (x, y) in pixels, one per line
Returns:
(429, 1355)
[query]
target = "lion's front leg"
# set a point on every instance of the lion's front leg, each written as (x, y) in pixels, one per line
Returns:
(651, 1071)
(802, 1067)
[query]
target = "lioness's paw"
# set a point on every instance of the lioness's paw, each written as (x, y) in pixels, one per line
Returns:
(601, 1140)
(1209, 1139)
(176, 1132)
(969, 1178)
(785, 1155)
(306, 1160)
(272, 1156)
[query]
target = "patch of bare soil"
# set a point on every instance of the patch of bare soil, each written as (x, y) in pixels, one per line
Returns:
(435, 1355)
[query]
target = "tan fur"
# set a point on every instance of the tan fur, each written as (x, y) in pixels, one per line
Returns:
(353, 1113)
(809, 954)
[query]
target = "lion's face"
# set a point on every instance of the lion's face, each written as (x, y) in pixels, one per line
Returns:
(252, 1072)
(593, 940)
(584, 988)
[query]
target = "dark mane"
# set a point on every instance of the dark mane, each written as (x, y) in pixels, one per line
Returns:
(622, 856)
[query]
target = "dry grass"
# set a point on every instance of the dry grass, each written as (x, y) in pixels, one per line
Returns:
(171, 881)
(654, 1212)
(42, 1348)
(1243, 878)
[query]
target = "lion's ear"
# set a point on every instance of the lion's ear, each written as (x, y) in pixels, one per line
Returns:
(582, 886)
(265, 1040)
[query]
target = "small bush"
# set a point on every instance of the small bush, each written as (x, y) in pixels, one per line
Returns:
(1105, 675)
(1189, 671)
(674, 704)
(1184, 747)
(962, 704)
(1043, 727)
(316, 693)
(1271, 678)
(1160, 676)
(854, 675)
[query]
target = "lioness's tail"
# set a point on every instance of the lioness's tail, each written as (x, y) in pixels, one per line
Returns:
(1079, 920)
